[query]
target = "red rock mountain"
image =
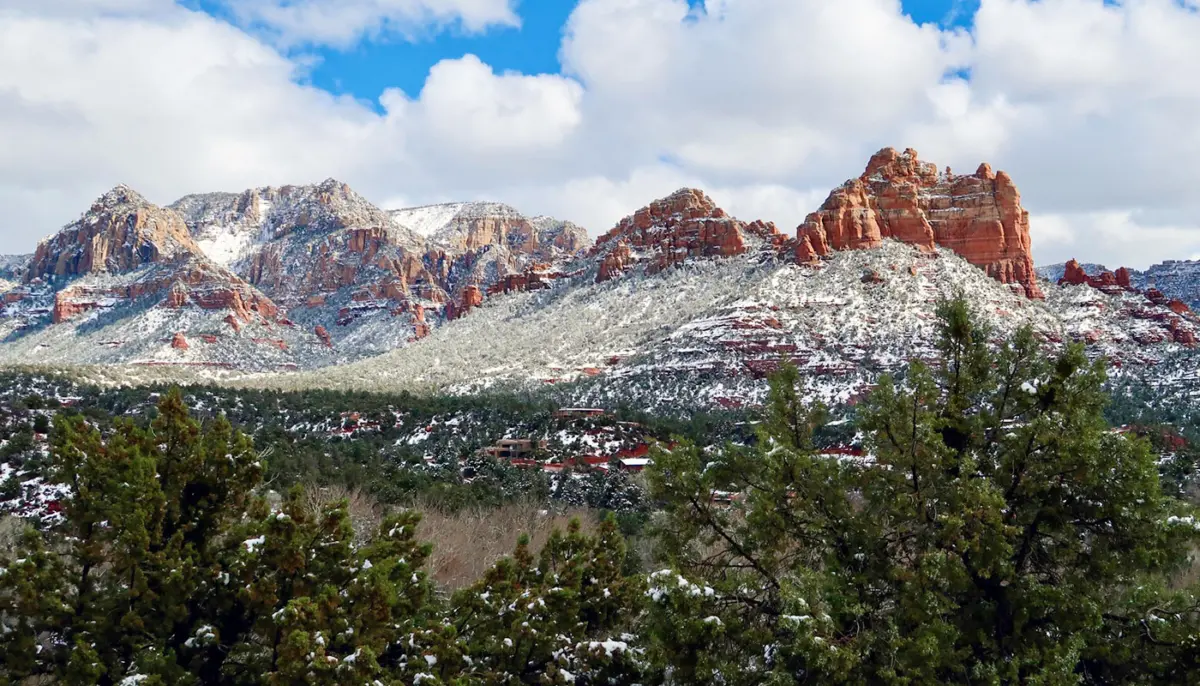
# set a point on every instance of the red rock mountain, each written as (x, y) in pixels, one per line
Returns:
(468, 227)
(685, 224)
(332, 259)
(978, 216)
(126, 249)
(121, 232)
(309, 276)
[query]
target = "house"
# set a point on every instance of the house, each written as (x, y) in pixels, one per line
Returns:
(514, 448)
(634, 464)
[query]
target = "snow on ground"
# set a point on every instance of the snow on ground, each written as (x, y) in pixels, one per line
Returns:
(227, 245)
(428, 219)
(704, 333)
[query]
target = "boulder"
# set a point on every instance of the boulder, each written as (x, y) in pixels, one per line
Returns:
(179, 342)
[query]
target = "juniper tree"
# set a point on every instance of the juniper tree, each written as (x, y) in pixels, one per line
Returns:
(998, 532)
(554, 618)
(169, 568)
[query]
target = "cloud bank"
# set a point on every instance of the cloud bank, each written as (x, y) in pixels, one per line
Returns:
(767, 104)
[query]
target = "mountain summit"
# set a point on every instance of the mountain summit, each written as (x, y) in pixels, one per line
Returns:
(978, 216)
(677, 295)
(121, 232)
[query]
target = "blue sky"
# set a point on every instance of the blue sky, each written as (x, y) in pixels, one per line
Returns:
(368, 68)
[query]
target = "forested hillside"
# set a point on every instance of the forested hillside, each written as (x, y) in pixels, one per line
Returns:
(993, 516)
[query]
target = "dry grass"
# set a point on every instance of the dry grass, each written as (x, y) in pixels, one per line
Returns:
(11, 529)
(365, 511)
(1190, 577)
(468, 542)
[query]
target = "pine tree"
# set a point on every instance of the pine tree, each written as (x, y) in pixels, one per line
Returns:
(998, 533)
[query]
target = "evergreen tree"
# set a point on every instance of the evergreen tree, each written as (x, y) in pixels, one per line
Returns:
(168, 569)
(998, 533)
(553, 619)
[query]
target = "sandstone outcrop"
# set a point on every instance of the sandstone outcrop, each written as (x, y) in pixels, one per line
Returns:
(470, 298)
(1123, 278)
(323, 335)
(1109, 282)
(978, 216)
(420, 326)
(120, 233)
(685, 224)
(1176, 318)
(179, 341)
(124, 249)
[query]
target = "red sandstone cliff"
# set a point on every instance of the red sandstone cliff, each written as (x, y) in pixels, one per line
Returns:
(142, 251)
(978, 216)
(668, 231)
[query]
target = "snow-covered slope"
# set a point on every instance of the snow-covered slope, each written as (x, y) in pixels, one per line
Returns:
(11, 266)
(707, 332)
(1178, 279)
(1175, 278)
(231, 227)
(146, 335)
(470, 226)
(126, 282)
(429, 220)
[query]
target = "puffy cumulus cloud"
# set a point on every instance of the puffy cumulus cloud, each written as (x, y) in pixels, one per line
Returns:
(1089, 105)
(175, 102)
(170, 104)
(1111, 113)
(757, 89)
(766, 104)
(343, 23)
(468, 108)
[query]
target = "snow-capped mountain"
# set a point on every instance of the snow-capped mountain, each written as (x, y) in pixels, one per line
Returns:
(340, 275)
(232, 227)
(471, 226)
(655, 330)
(127, 283)
(365, 279)
(680, 304)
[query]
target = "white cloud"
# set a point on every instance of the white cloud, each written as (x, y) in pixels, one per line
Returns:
(766, 104)
(75, 8)
(756, 88)
(342, 23)
(168, 104)
(468, 108)
(1116, 238)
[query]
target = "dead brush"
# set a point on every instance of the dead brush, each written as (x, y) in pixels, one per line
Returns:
(468, 542)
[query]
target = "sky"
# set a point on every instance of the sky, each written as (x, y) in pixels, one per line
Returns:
(589, 109)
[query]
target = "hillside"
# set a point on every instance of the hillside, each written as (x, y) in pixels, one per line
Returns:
(679, 305)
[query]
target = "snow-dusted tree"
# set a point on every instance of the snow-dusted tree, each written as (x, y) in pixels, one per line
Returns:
(554, 619)
(998, 532)
(169, 570)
